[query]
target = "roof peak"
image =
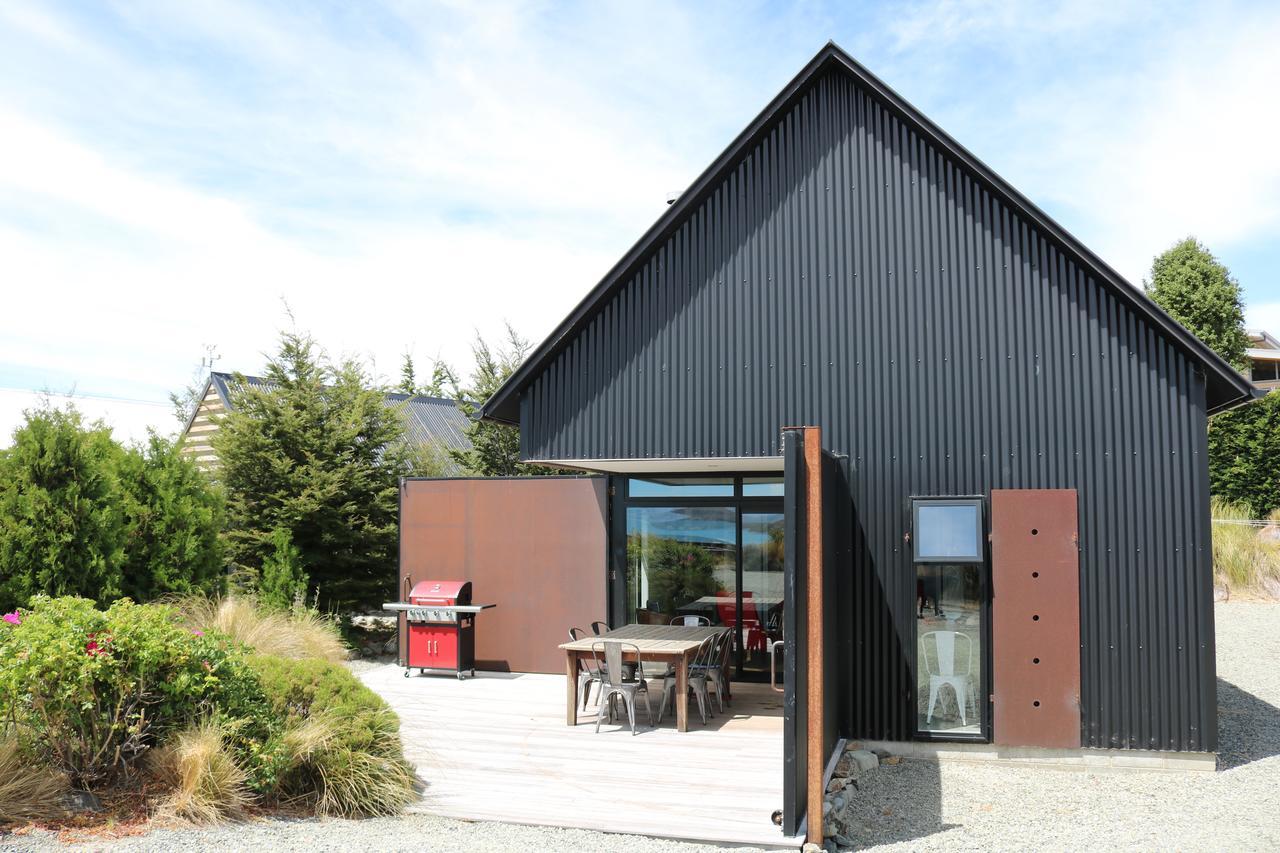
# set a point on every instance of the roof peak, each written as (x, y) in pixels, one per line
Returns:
(503, 405)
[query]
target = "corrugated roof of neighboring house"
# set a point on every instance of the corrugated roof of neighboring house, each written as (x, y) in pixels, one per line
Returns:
(429, 419)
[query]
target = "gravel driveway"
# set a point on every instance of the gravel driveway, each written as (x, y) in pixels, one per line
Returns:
(919, 805)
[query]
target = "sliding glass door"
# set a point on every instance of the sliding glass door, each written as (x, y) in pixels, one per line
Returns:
(703, 548)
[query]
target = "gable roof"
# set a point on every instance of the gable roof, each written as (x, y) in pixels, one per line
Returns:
(429, 419)
(1225, 387)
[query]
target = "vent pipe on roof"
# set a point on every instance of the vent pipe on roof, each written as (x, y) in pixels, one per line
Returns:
(673, 195)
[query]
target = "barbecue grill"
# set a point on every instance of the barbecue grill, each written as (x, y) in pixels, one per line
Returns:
(441, 624)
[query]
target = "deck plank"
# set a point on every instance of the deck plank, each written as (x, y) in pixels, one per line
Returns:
(496, 747)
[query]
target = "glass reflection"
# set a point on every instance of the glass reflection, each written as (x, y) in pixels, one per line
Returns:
(949, 649)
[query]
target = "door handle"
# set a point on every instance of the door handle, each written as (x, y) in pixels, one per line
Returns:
(773, 669)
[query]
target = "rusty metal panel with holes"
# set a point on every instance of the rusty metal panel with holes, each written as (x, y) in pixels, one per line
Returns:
(1035, 573)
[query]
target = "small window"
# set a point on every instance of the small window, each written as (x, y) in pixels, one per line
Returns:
(947, 530)
(761, 487)
(680, 487)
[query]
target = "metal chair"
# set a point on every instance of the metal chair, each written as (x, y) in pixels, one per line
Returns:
(691, 621)
(697, 681)
(599, 628)
(588, 672)
(714, 668)
(616, 682)
(945, 670)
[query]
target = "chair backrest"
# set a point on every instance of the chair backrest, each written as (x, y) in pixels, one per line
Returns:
(691, 621)
(706, 653)
(599, 628)
(944, 653)
(608, 653)
(576, 634)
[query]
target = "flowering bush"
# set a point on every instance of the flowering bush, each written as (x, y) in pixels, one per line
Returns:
(91, 690)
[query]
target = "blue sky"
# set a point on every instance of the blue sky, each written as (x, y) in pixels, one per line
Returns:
(405, 174)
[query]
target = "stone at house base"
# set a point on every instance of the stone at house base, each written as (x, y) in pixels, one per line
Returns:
(81, 801)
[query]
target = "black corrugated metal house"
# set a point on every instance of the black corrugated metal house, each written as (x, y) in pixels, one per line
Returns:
(1014, 539)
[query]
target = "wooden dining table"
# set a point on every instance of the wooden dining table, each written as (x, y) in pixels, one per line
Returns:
(674, 644)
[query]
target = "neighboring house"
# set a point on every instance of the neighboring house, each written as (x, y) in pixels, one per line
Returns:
(1003, 536)
(431, 420)
(1264, 360)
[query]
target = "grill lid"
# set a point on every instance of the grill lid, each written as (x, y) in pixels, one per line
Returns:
(441, 592)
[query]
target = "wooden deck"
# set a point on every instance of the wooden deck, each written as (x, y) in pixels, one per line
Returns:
(497, 748)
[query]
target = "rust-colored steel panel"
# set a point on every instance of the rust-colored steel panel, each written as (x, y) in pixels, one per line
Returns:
(536, 547)
(1035, 574)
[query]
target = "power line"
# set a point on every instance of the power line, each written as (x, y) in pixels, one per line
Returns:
(73, 394)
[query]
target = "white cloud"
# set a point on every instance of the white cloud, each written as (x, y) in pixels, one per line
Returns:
(404, 174)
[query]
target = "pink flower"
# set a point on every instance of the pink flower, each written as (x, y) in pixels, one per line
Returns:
(13, 618)
(197, 632)
(92, 650)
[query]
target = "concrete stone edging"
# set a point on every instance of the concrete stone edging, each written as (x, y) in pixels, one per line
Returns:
(1087, 760)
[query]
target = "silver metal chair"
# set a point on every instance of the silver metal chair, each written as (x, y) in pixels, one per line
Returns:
(697, 681)
(691, 621)
(599, 628)
(616, 683)
(714, 668)
(589, 671)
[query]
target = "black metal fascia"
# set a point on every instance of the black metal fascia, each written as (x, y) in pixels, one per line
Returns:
(503, 405)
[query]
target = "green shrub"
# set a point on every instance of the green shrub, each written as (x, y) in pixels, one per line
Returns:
(342, 742)
(93, 690)
(283, 583)
(1242, 559)
(82, 515)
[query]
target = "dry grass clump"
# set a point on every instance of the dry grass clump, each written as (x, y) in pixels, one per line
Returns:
(296, 634)
(1243, 558)
(337, 778)
(208, 785)
(27, 792)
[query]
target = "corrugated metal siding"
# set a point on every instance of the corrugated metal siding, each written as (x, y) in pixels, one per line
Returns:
(847, 274)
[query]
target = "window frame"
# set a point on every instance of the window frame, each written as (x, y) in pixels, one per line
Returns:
(967, 559)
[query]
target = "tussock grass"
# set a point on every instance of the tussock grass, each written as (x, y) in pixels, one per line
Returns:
(336, 778)
(208, 786)
(297, 634)
(1243, 560)
(27, 792)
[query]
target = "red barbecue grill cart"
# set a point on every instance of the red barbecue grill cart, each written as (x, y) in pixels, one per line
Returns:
(441, 624)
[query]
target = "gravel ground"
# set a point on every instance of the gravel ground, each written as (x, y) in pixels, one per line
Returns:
(917, 805)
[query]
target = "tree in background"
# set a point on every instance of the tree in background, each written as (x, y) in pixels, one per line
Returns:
(495, 448)
(173, 519)
(61, 527)
(1244, 443)
(316, 452)
(284, 582)
(1200, 293)
(82, 515)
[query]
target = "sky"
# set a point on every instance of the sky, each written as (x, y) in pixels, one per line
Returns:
(398, 177)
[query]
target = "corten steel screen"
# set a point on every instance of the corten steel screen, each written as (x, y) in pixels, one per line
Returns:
(1035, 573)
(536, 547)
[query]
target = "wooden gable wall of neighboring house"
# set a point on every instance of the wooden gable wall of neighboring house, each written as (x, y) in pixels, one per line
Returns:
(197, 440)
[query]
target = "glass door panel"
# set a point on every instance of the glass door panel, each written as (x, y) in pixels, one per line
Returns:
(762, 579)
(949, 649)
(681, 561)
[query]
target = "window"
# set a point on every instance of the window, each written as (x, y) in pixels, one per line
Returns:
(947, 531)
(681, 487)
(1264, 371)
(757, 487)
(947, 534)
